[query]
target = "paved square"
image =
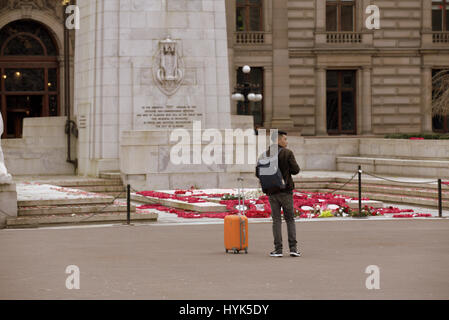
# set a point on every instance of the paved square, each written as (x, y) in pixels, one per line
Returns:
(153, 261)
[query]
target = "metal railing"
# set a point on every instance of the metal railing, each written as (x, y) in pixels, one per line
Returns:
(360, 172)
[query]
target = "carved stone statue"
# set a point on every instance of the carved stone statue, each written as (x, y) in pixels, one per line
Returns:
(168, 69)
(5, 178)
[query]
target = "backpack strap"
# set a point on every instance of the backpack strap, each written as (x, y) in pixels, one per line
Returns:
(279, 151)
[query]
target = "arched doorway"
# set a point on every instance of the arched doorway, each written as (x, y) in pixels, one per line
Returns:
(29, 69)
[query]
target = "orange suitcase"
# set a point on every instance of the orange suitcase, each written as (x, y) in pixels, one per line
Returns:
(236, 233)
(236, 228)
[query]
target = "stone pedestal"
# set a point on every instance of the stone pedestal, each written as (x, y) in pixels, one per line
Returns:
(8, 203)
(147, 162)
(147, 65)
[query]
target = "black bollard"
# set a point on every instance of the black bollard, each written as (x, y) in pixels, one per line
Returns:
(440, 203)
(128, 204)
(360, 190)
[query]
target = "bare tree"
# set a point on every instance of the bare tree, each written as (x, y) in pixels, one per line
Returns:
(440, 93)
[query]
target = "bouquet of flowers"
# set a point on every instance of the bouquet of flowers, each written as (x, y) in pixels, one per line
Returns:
(326, 214)
(254, 194)
(229, 196)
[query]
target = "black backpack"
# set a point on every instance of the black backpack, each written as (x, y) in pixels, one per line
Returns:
(269, 174)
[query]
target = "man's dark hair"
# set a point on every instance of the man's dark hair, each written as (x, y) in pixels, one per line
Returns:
(275, 136)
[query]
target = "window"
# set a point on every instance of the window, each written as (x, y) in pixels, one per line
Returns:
(29, 74)
(341, 108)
(26, 37)
(249, 15)
(440, 15)
(340, 15)
(252, 108)
(439, 123)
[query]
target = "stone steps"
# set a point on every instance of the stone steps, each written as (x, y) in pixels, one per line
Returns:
(173, 203)
(109, 184)
(395, 190)
(83, 182)
(111, 175)
(394, 198)
(65, 202)
(72, 209)
(399, 181)
(103, 188)
(402, 192)
(311, 185)
(74, 219)
(121, 194)
(397, 166)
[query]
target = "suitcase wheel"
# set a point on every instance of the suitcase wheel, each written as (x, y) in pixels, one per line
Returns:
(246, 251)
(236, 251)
(226, 250)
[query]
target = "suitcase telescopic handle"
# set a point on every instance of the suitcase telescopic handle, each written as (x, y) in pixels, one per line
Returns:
(241, 204)
(241, 195)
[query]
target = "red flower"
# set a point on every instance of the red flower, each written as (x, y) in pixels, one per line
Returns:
(260, 208)
(403, 216)
(423, 215)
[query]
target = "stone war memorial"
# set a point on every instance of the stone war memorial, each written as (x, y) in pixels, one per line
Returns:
(8, 195)
(133, 163)
(143, 69)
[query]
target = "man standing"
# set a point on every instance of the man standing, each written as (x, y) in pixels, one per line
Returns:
(282, 197)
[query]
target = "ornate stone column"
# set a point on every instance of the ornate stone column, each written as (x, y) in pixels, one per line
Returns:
(268, 96)
(320, 21)
(320, 111)
(426, 103)
(366, 108)
(281, 67)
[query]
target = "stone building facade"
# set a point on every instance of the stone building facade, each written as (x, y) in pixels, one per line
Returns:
(290, 42)
(322, 72)
(391, 68)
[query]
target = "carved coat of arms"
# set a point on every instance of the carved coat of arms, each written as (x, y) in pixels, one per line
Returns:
(168, 69)
(53, 6)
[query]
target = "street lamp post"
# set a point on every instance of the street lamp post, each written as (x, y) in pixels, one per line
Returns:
(247, 92)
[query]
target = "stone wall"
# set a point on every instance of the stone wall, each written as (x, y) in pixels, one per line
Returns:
(396, 79)
(303, 97)
(396, 94)
(119, 65)
(392, 69)
(321, 154)
(146, 162)
(301, 27)
(8, 203)
(42, 150)
(405, 149)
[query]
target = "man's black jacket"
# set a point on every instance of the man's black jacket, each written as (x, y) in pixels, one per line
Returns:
(288, 167)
